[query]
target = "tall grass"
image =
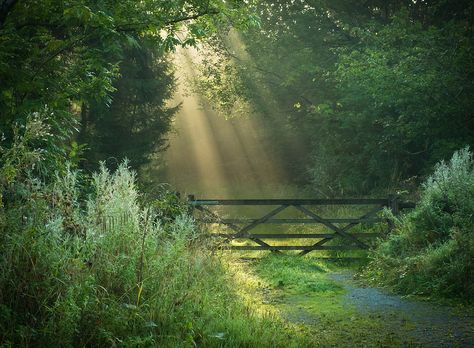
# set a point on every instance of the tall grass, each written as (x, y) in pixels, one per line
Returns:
(431, 251)
(107, 271)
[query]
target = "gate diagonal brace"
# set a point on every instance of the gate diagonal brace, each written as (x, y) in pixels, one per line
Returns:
(257, 222)
(344, 229)
(240, 232)
(215, 216)
(219, 220)
(260, 221)
(331, 226)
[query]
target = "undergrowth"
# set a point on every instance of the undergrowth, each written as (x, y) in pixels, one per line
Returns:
(431, 251)
(83, 263)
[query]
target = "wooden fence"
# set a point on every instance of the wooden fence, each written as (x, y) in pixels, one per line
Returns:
(241, 227)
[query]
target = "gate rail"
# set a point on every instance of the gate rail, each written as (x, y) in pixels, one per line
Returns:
(242, 226)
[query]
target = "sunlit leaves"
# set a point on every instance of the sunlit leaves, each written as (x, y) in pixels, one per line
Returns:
(170, 42)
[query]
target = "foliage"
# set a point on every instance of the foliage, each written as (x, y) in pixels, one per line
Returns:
(406, 98)
(431, 251)
(381, 89)
(169, 206)
(136, 122)
(65, 56)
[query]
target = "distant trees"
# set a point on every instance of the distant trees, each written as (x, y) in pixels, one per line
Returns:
(406, 93)
(135, 124)
(381, 90)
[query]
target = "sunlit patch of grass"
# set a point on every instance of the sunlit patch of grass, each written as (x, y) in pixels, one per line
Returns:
(251, 291)
(301, 291)
(296, 274)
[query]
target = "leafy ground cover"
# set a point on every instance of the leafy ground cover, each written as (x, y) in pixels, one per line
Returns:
(431, 250)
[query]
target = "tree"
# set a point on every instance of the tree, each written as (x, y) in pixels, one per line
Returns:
(405, 102)
(378, 91)
(60, 57)
(136, 122)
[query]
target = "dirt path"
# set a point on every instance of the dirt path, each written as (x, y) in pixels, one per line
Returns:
(431, 325)
(336, 311)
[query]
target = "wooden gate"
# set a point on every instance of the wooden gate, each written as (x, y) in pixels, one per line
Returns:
(241, 227)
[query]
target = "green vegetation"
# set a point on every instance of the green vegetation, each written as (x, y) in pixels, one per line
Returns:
(355, 99)
(106, 271)
(380, 89)
(136, 114)
(86, 260)
(431, 251)
(99, 70)
(295, 276)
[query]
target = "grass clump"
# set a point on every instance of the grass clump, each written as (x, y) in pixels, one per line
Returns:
(296, 274)
(431, 251)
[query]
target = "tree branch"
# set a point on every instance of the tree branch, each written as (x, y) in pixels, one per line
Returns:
(267, 72)
(135, 26)
(196, 16)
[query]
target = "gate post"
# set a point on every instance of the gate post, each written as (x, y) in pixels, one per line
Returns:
(191, 207)
(394, 205)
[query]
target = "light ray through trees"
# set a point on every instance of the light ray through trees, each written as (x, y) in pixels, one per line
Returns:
(212, 156)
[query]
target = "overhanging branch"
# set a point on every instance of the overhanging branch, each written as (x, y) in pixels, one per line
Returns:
(138, 25)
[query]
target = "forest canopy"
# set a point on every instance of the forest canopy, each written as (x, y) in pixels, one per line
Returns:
(382, 90)
(89, 68)
(379, 91)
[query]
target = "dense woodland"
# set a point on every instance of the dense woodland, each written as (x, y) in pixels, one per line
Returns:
(379, 95)
(381, 90)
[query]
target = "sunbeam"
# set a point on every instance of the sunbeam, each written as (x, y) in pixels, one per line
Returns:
(212, 156)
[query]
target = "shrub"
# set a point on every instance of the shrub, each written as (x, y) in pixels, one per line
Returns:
(431, 251)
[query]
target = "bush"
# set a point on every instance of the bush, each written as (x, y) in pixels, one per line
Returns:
(431, 251)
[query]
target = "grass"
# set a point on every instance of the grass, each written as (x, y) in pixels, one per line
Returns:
(152, 279)
(67, 279)
(302, 292)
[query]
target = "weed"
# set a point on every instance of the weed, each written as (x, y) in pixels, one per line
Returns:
(111, 272)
